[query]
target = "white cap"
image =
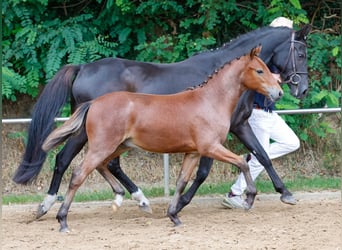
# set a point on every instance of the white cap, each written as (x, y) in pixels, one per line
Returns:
(282, 21)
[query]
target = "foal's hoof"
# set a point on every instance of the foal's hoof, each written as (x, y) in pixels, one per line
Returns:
(115, 207)
(41, 211)
(288, 199)
(146, 208)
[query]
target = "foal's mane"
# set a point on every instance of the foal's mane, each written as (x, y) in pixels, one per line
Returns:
(206, 81)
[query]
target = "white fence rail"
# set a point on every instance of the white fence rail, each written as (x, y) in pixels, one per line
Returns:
(281, 112)
(166, 156)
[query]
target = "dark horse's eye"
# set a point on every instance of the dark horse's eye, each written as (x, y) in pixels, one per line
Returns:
(259, 71)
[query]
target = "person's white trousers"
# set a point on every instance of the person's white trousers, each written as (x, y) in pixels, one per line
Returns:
(267, 126)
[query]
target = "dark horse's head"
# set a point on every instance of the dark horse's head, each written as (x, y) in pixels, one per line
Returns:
(294, 70)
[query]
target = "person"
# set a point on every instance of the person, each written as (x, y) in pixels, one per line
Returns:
(266, 125)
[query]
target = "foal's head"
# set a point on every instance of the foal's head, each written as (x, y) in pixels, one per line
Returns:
(258, 77)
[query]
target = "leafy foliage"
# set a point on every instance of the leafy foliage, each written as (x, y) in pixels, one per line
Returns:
(40, 36)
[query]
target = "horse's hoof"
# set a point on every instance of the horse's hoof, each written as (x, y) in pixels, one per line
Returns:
(41, 211)
(176, 221)
(248, 203)
(64, 230)
(45, 206)
(246, 206)
(288, 199)
(146, 208)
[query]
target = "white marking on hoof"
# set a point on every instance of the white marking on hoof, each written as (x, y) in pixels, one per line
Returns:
(140, 197)
(45, 206)
(115, 207)
(117, 202)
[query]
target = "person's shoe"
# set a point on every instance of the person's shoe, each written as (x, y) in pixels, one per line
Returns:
(233, 201)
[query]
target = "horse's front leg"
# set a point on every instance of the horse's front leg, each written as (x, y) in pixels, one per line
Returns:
(136, 193)
(246, 135)
(63, 159)
(116, 187)
(188, 165)
(201, 175)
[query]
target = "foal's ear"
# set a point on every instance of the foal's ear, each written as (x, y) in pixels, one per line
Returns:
(255, 51)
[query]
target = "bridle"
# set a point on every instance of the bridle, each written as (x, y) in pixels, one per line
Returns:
(294, 77)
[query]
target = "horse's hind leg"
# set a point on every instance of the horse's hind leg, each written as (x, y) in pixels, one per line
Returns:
(136, 193)
(189, 163)
(63, 159)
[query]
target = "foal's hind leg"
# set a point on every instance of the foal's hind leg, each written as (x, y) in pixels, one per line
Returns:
(189, 163)
(80, 173)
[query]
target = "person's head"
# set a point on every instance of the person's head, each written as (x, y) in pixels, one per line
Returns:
(282, 22)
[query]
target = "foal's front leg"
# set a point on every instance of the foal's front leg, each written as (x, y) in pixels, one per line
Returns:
(188, 165)
(219, 152)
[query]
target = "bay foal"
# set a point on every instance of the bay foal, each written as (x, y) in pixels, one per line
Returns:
(195, 122)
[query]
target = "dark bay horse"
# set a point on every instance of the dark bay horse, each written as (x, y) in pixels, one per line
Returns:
(282, 47)
(195, 122)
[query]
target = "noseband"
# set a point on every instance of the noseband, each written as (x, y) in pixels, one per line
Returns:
(294, 77)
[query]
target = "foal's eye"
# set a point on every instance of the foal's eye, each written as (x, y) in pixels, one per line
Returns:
(259, 71)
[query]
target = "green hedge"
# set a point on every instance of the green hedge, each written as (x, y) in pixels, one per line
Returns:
(40, 36)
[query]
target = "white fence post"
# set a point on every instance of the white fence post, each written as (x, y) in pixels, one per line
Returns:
(166, 174)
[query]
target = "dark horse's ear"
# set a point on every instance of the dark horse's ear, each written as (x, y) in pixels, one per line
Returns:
(255, 51)
(303, 32)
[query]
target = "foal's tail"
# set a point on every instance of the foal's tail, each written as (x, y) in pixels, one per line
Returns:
(69, 128)
(55, 94)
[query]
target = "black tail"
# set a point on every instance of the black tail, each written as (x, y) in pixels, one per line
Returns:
(48, 106)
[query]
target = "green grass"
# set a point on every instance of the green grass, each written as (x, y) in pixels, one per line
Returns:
(298, 184)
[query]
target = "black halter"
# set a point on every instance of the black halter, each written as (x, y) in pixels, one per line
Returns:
(294, 77)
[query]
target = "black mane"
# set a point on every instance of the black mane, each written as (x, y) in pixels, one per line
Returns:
(238, 47)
